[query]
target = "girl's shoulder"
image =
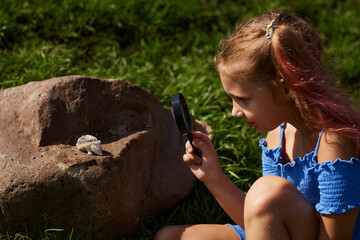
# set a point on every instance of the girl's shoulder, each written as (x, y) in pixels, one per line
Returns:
(335, 146)
(273, 138)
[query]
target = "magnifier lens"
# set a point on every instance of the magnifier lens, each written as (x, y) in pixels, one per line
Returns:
(182, 117)
(181, 113)
(186, 123)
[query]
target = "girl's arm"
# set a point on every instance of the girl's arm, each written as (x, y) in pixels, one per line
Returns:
(336, 226)
(229, 196)
(207, 169)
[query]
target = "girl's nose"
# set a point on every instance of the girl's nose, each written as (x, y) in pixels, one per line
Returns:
(236, 112)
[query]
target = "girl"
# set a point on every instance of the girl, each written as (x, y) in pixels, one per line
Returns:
(272, 69)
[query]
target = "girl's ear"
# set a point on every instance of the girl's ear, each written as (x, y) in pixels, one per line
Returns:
(284, 86)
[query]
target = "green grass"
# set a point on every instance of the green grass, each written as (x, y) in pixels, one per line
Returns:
(165, 46)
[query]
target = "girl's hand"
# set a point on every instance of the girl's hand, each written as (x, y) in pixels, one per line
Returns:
(207, 167)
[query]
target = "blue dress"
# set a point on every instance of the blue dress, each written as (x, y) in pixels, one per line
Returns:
(331, 187)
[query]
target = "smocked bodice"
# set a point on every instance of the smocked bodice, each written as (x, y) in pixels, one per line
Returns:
(331, 187)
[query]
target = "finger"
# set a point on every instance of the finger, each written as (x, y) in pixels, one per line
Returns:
(203, 143)
(188, 147)
(187, 159)
(190, 159)
(202, 136)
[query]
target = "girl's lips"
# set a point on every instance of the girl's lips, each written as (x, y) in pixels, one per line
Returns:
(251, 124)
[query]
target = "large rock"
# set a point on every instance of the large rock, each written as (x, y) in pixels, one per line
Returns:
(43, 177)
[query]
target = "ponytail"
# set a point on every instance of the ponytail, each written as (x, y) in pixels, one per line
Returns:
(297, 58)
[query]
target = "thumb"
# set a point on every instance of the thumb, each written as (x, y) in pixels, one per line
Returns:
(204, 147)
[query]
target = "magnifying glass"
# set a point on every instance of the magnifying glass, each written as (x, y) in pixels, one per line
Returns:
(182, 118)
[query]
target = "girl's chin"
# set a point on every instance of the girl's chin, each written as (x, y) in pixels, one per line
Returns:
(261, 129)
(264, 129)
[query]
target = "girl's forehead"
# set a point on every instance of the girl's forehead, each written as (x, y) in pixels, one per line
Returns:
(239, 79)
(239, 68)
(238, 85)
(239, 73)
(245, 71)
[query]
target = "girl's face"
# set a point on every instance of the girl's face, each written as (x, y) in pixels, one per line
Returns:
(255, 103)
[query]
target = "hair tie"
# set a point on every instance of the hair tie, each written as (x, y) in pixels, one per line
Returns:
(271, 25)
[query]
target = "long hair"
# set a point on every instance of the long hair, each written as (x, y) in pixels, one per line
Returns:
(293, 55)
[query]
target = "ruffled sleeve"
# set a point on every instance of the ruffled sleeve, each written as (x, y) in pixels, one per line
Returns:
(339, 185)
(269, 159)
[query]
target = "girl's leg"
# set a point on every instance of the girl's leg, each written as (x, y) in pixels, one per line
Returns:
(275, 209)
(197, 232)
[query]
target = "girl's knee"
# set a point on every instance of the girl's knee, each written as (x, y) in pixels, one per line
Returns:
(268, 193)
(276, 202)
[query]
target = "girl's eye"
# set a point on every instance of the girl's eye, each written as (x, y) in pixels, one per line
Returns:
(239, 99)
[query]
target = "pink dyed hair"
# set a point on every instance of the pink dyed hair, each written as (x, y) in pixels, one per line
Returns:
(294, 55)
